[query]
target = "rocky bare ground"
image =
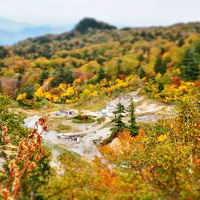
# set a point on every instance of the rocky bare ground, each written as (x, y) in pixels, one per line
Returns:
(85, 139)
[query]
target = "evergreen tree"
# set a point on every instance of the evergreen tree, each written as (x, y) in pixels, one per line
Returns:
(119, 67)
(197, 48)
(178, 35)
(43, 76)
(150, 35)
(143, 34)
(29, 90)
(181, 42)
(163, 50)
(159, 67)
(190, 65)
(0, 86)
(141, 72)
(141, 57)
(119, 124)
(63, 75)
(3, 52)
(133, 128)
(164, 65)
(100, 74)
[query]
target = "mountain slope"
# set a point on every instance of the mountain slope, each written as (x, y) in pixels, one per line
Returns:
(90, 32)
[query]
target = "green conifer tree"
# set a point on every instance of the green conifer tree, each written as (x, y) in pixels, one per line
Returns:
(100, 74)
(141, 72)
(63, 75)
(181, 42)
(119, 124)
(190, 65)
(159, 67)
(197, 48)
(119, 67)
(133, 128)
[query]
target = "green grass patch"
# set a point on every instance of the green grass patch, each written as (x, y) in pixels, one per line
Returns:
(100, 120)
(83, 121)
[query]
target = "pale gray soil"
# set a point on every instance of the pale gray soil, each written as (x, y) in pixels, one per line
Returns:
(84, 140)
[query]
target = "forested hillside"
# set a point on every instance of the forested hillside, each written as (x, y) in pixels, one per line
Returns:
(84, 69)
(97, 55)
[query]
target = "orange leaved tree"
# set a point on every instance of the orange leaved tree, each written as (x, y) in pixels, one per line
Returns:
(24, 159)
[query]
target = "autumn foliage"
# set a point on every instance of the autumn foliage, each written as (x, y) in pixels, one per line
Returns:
(71, 69)
(90, 65)
(25, 159)
(161, 162)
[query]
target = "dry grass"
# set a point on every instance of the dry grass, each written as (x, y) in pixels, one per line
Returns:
(60, 124)
(93, 104)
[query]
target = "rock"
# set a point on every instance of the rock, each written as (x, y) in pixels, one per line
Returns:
(61, 113)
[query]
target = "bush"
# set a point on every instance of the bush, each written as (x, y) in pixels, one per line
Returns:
(83, 119)
(101, 120)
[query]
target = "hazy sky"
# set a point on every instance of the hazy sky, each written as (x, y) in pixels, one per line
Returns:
(117, 12)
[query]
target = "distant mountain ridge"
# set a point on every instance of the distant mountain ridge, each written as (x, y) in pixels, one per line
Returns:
(24, 34)
(12, 25)
(12, 32)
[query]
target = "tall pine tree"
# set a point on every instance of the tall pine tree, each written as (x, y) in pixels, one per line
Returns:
(159, 67)
(119, 67)
(119, 124)
(133, 128)
(100, 74)
(190, 65)
(141, 72)
(181, 42)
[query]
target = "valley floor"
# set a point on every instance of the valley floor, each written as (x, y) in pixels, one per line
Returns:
(82, 138)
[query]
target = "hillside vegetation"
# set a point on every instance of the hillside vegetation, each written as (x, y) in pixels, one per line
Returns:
(96, 59)
(85, 68)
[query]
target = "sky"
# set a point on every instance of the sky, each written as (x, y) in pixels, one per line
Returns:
(122, 13)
